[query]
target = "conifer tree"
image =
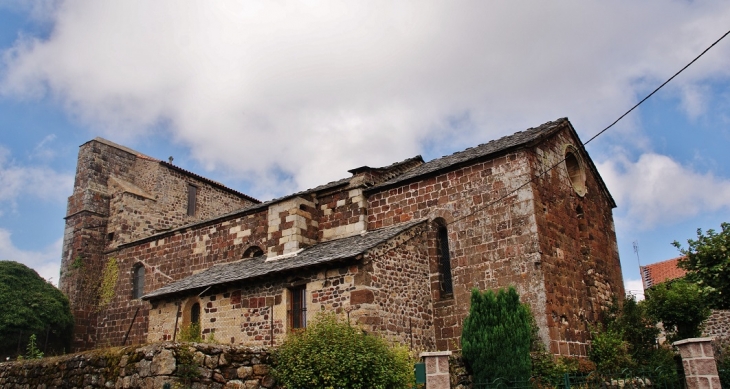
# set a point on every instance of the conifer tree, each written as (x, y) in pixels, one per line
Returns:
(496, 336)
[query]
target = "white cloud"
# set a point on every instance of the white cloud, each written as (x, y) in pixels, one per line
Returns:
(634, 287)
(311, 89)
(38, 182)
(657, 189)
(46, 262)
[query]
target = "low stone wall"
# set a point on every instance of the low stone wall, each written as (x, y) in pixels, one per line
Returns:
(151, 366)
(718, 324)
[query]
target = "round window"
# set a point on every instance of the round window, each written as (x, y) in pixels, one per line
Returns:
(576, 172)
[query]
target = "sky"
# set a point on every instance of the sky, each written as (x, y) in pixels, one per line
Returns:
(270, 97)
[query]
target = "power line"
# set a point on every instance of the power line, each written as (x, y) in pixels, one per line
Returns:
(583, 144)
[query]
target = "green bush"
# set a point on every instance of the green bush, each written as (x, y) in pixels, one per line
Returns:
(496, 336)
(191, 333)
(609, 351)
(331, 353)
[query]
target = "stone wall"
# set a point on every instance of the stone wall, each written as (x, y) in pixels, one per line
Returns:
(251, 313)
(385, 292)
(394, 298)
(119, 196)
(490, 248)
(718, 326)
(579, 256)
(148, 367)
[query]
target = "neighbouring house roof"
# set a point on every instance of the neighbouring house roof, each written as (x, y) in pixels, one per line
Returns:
(659, 272)
(322, 253)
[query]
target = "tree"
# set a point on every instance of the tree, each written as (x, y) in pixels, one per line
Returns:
(496, 336)
(330, 353)
(31, 306)
(637, 327)
(707, 261)
(680, 306)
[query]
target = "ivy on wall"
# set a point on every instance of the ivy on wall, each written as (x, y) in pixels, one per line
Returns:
(109, 277)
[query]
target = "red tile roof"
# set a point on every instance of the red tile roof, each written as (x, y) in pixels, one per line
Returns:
(659, 272)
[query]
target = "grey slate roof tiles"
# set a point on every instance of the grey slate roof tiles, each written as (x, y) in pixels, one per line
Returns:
(318, 254)
(483, 150)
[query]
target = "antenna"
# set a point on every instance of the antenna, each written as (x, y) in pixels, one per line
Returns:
(641, 271)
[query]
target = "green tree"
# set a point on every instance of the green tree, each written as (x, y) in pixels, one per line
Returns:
(331, 353)
(31, 306)
(496, 336)
(707, 261)
(680, 306)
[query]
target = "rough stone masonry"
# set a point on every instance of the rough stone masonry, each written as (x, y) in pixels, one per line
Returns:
(394, 249)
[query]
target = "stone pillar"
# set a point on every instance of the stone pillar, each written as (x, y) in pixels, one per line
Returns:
(437, 369)
(698, 360)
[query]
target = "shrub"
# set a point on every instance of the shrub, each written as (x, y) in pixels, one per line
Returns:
(496, 336)
(331, 353)
(608, 350)
(191, 333)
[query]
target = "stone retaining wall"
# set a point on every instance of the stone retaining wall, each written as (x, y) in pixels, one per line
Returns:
(718, 325)
(151, 366)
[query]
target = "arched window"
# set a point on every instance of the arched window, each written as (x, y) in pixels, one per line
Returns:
(576, 172)
(252, 252)
(444, 258)
(195, 314)
(138, 281)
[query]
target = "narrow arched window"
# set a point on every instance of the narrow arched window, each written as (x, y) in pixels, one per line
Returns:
(138, 282)
(444, 258)
(195, 314)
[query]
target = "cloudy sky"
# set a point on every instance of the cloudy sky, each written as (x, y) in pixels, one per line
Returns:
(274, 96)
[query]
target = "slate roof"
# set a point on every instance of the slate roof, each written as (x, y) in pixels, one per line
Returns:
(508, 142)
(318, 254)
(260, 205)
(659, 272)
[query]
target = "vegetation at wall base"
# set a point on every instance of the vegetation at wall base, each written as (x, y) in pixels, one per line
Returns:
(331, 353)
(190, 333)
(626, 342)
(496, 336)
(707, 261)
(31, 306)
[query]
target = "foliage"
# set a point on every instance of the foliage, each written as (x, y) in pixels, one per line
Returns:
(191, 333)
(638, 329)
(627, 340)
(680, 306)
(496, 336)
(109, 277)
(187, 369)
(30, 306)
(609, 351)
(77, 263)
(548, 369)
(723, 365)
(331, 353)
(707, 261)
(32, 351)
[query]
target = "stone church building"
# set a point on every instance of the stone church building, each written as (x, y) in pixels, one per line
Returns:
(150, 248)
